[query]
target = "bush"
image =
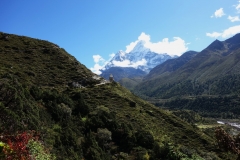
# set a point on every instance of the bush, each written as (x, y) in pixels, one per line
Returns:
(103, 137)
(23, 146)
(145, 139)
(36, 150)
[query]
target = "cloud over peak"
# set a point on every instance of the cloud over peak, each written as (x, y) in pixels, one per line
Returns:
(175, 47)
(142, 37)
(100, 62)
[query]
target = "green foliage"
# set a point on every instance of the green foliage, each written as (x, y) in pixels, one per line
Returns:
(104, 135)
(145, 139)
(222, 86)
(37, 150)
(217, 107)
(189, 116)
(92, 150)
(3, 149)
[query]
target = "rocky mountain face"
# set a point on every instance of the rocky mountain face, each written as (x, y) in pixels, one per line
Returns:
(53, 107)
(213, 71)
(140, 59)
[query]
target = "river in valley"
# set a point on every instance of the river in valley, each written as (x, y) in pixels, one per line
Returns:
(233, 124)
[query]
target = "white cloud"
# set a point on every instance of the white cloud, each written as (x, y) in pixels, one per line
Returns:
(97, 58)
(214, 34)
(124, 63)
(233, 19)
(130, 46)
(218, 13)
(99, 63)
(96, 69)
(175, 47)
(127, 63)
(111, 55)
(231, 31)
(226, 33)
(142, 36)
(238, 6)
(139, 63)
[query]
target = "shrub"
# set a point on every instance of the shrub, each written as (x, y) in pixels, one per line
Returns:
(23, 146)
(15, 147)
(36, 150)
(145, 139)
(103, 137)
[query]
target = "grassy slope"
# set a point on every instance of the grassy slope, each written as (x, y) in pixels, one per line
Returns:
(30, 69)
(39, 62)
(130, 83)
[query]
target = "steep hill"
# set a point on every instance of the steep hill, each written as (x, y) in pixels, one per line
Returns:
(213, 71)
(68, 112)
(41, 63)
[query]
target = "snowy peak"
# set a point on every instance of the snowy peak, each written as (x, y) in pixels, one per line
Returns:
(119, 56)
(140, 47)
(140, 57)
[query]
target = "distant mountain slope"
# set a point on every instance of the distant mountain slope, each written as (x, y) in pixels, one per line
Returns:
(170, 65)
(213, 71)
(130, 83)
(94, 120)
(122, 72)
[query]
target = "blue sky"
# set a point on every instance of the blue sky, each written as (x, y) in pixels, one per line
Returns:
(92, 31)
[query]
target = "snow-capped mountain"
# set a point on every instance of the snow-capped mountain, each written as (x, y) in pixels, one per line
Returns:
(140, 57)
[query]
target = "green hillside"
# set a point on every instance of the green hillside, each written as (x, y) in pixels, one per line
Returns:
(53, 107)
(39, 62)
